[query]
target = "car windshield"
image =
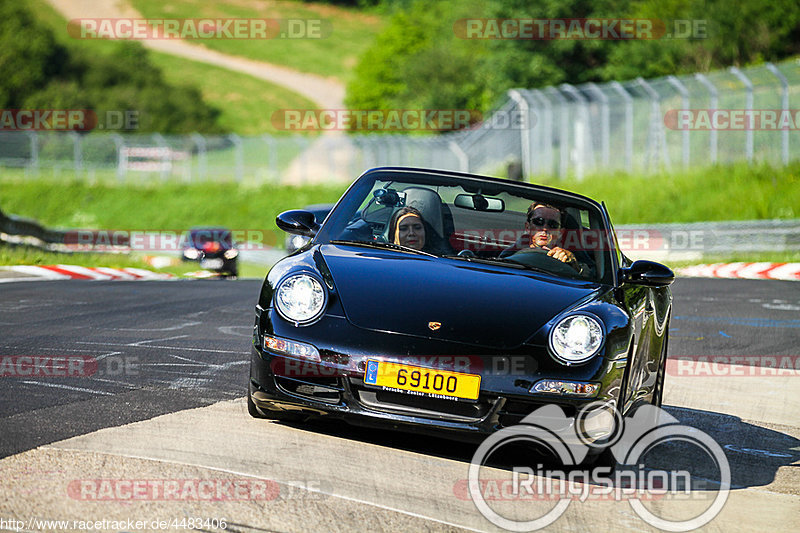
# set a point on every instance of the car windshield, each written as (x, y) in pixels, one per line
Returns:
(473, 219)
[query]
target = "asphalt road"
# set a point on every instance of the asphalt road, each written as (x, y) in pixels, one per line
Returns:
(180, 349)
(160, 347)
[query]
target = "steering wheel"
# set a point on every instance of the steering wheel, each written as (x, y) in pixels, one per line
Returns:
(466, 253)
(537, 258)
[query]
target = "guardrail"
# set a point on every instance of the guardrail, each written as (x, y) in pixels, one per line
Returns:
(660, 242)
(18, 230)
(694, 241)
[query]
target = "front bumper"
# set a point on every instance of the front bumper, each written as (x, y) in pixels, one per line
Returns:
(346, 396)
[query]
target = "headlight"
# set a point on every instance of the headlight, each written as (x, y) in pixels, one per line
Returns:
(230, 254)
(576, 338)
(191, 253)
(300, 299)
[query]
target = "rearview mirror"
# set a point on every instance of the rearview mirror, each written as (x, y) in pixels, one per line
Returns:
(648, 273)
(478, 202)
(298, 222)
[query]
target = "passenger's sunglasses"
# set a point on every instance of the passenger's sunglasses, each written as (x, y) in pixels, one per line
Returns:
(540, 222)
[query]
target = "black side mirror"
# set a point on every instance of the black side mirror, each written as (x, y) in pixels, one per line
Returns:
(298, 222)
(648, 273)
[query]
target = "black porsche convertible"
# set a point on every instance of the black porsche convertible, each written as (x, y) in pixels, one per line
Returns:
(454, 304)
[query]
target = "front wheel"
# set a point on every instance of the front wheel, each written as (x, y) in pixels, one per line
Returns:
(284, 416)
(252, 408)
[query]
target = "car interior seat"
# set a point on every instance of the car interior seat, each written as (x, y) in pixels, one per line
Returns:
(574, 239)
(436, 214)
(429, 203)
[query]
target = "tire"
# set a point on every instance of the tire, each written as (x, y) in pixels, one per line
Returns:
(251, 407)
(283, 416)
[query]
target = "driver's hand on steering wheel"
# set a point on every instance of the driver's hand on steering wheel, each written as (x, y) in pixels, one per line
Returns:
(565, 256)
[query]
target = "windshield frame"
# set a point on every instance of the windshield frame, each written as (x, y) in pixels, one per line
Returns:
(359, 190)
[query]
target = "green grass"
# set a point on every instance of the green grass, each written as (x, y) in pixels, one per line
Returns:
(246, 103)
(27, 255)
(169, 206)
(735, 192)
(720, 193)
(351, 31)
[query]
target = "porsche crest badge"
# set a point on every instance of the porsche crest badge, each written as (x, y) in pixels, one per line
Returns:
(433, 326)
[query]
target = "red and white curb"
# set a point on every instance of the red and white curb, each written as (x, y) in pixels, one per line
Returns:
(55, 272)
(783, 271)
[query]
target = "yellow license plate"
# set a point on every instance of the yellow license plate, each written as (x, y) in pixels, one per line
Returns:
(424, 381)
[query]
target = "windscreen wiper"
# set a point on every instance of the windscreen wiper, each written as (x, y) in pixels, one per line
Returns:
(487, 260)
(383, 245)
(505, 261)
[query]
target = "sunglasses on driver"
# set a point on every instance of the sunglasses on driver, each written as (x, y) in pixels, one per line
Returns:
(540, 222)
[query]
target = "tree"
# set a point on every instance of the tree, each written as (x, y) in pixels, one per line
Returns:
(40, 73)
(418, 63)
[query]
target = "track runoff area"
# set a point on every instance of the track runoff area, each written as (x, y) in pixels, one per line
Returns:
(151, 431)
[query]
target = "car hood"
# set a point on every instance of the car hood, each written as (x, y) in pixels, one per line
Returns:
(478, 304)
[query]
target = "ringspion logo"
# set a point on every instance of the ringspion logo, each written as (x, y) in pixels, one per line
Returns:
(596, 426)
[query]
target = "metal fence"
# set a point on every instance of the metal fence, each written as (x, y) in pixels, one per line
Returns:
(569, 130)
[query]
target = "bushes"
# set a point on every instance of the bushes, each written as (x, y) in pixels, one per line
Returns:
(40, 73)
(418, 61)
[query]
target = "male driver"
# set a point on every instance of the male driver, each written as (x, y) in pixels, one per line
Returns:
(544, 227)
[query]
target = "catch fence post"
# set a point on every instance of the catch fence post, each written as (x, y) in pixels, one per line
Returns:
(605, 127)
(617, 86)
(202, 155)
(748, 85)
(524, 133)
(785, 108)
(714, 101)
(681, 88)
